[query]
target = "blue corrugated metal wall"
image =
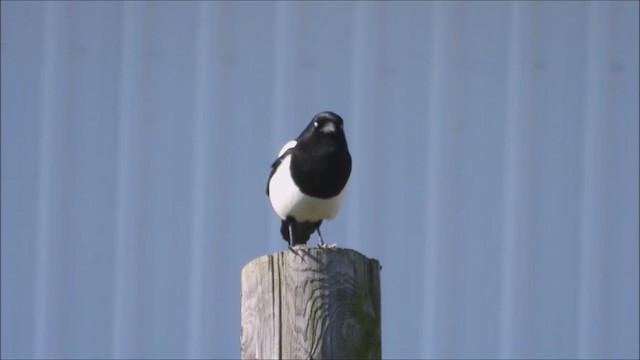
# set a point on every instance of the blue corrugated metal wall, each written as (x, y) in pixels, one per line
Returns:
(495, 175)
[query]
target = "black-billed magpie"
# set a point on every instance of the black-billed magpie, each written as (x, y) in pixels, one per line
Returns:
(309, 179)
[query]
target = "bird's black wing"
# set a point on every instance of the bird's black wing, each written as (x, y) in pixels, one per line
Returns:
(275, 165)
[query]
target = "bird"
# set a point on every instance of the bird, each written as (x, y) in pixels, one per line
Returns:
(308, 180)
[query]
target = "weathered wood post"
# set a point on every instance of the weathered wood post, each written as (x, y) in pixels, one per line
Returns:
(312, 304)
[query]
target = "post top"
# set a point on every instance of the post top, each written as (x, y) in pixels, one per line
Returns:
(304, 253)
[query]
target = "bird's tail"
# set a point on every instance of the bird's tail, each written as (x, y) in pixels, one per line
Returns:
(301, 230)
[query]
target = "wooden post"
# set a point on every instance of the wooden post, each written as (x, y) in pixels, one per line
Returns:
(311, 304)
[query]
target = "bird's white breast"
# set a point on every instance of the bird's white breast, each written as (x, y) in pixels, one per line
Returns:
(287, 199)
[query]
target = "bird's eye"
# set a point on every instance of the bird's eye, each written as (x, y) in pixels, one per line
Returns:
(315, 123)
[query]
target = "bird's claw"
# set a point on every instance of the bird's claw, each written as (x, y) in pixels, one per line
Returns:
(322, 245)
(294, 248)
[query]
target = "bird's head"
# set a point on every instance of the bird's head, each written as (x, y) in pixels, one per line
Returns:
(325, 123)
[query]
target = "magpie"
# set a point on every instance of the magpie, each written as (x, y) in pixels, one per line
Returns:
(309, 178)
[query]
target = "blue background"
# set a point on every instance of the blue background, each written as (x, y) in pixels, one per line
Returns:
(495, 177)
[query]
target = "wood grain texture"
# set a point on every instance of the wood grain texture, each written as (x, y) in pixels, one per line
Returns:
(316, 304)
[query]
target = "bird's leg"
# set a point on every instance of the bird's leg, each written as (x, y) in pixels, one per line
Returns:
(290, 235)
(291, 246)
(321, 239)
(322, 245)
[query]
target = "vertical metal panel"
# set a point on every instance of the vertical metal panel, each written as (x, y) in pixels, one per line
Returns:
(197, 271)
(125, 327)
(622, 179)
(495, 170)
(556, 167)
(20, 185)
(593, 228)
(518, 178)
(365, 53)
(438, 255)
(46, 268)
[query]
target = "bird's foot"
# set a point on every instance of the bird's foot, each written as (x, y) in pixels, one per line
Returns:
(295, 249)
(323, 245)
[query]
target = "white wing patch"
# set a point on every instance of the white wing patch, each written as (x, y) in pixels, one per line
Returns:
(291, 144)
